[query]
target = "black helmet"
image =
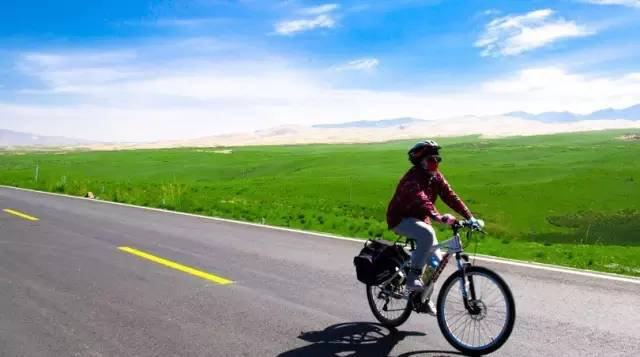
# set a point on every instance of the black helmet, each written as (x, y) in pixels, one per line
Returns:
(422, 149)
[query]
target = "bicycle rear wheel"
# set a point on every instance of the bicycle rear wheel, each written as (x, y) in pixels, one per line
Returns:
(389, 304)
(487, 324)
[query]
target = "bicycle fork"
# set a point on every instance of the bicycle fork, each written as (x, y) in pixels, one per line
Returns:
(467, 287)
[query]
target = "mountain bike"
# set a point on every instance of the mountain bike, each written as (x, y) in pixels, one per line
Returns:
(475, 308)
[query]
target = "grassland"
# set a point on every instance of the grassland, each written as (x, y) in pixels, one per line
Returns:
(569, 199)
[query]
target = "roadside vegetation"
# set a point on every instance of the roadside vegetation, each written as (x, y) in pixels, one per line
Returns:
(568, 199)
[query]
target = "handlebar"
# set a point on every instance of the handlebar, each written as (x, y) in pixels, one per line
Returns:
(473, 225)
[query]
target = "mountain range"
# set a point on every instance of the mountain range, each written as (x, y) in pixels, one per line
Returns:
(630, 113)
(384, 123)
(10, 138)
(509, 124)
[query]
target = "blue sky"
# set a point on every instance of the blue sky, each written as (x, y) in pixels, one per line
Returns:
(150, 70)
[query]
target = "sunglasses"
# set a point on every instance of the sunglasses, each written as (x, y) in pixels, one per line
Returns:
(434, 158)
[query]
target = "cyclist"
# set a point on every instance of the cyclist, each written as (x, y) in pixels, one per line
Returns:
(412, 207)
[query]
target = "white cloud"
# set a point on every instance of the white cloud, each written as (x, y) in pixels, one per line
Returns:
(322, 9)
(630, 3)
(324, 19)
(294, 26)
(142, 95)
(361, 64)
(554, 88)
(515, 34)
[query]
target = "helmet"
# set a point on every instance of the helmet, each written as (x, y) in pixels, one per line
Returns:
(422, 149)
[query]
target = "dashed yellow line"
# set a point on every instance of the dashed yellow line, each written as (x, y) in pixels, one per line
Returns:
(183, 268)
(20, 214)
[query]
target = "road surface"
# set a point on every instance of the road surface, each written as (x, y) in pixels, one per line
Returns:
(66, 289)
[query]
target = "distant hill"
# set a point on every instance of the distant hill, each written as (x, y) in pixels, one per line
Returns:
(385, 123)
(631, 113)
(366, 131)
(14, 138)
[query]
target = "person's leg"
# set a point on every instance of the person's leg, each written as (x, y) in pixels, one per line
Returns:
(424, 235)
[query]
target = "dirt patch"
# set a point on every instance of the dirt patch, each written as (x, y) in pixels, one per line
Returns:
(630, 137)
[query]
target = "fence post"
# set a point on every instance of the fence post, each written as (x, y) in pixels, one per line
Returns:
(37, 171)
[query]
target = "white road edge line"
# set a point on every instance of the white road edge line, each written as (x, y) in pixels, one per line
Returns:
(534, 265)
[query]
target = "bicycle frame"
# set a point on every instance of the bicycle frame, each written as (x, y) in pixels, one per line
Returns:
(453, 246)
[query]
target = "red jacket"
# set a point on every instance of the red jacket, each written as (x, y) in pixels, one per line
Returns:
(416, 196)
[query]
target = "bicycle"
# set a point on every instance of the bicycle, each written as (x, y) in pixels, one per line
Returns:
(466, 319)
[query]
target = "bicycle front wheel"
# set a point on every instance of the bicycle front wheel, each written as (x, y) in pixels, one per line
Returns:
(486, 324)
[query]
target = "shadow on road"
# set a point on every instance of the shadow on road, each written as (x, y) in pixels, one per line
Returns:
(356, 339)
(426, 353)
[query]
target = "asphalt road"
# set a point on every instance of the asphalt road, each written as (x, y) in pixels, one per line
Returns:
(67, 290)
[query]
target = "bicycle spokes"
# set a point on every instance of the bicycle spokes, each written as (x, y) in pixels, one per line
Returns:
(480, 317)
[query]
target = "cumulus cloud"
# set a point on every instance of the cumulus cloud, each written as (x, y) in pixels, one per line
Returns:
(323, 18)
(514, 34)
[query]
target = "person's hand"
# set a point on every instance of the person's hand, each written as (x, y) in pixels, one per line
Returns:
(476, 223)
(448, 219)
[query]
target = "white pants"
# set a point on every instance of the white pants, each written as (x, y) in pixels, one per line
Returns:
(423, 234)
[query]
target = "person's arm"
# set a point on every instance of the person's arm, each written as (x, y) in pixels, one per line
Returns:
(452, 200)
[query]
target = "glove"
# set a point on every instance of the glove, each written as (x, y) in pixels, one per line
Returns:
(476, 223)
(448, 219)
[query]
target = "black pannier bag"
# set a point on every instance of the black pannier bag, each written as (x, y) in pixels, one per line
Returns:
(377, 261)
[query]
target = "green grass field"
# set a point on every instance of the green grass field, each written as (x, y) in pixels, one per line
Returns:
(569, 199)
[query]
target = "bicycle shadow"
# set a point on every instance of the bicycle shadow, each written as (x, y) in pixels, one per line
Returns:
(426, 353)
(352, 339)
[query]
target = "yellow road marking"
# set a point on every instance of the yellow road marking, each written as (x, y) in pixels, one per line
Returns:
(20, 214)
(177, 266)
